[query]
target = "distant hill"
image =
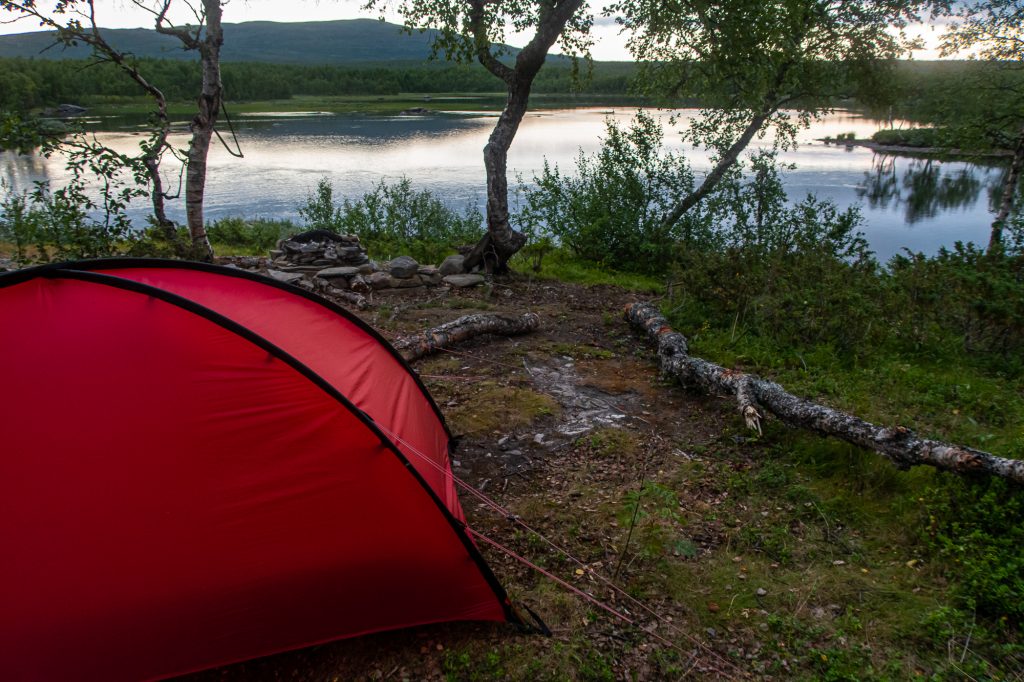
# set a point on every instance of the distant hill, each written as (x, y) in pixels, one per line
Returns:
(349, 41)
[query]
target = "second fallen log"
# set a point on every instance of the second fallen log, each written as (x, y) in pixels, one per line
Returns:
(464, 328)
(756, 396)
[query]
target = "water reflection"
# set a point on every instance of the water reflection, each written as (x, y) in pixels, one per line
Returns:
(285, 155)
(923, 187)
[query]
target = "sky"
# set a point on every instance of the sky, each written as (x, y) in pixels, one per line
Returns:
(609, 44)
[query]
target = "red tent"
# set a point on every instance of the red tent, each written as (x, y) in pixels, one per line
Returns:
(199, 465)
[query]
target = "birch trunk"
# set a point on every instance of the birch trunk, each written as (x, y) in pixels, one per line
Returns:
(1009, 191)
(755, 396)
(466, 327)
(501, 242)
(202, 129)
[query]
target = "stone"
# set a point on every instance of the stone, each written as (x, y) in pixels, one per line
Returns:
(366, 268)
(461, 281)
(286, 277)
(337, 283)
(379, 280)
(359, 285)
(452, 265)
(761, 592)
(342, 271)
(403, 267)
(428, 270)
(432, 279)
(324, 261)
(404, 282)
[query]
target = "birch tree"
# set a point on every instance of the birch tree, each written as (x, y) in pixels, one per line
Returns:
(475, 30)
(760, 66)
(994, 32)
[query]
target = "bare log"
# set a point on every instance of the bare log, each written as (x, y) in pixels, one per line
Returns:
(756, 396)
(466, 327)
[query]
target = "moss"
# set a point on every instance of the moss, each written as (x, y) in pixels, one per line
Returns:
(496, 408)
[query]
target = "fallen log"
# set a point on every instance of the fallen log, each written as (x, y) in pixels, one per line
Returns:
(755, 396)
(466, 327)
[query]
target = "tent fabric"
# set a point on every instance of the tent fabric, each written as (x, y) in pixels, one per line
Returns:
(194, 471)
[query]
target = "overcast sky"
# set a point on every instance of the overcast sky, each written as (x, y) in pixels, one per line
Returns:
(608, 43)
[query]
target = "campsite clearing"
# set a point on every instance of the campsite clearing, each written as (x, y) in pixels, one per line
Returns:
(759, 558)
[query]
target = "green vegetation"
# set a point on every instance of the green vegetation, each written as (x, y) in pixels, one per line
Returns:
(394, 220)
(29, 83)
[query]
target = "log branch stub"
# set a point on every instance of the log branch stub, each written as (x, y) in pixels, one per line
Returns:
(466, 327)
(756, 397)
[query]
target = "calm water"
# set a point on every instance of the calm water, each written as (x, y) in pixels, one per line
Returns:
(906, 203)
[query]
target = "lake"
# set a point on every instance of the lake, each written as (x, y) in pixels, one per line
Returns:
(906, 203)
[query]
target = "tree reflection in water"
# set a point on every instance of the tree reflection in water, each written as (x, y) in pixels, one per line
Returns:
(923, 186)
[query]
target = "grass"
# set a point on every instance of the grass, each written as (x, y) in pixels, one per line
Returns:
(492, 407)
(951, 397)
(560, 265)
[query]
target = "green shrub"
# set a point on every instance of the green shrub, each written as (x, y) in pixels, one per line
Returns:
(963, 295)
(911, 137)
(48, 225)
(609, 210)
(393, 220)
(978, 527)
(258, 235)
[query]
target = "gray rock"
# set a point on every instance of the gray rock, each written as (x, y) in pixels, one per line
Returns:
(359, 284)
(428, 270)
(337, 283)
(432, 279)
(332, 273)
(379, 280)
(452, 265)
(366, 268)
(403, 267)
(461, 281)
(404, 282)
(286, 277)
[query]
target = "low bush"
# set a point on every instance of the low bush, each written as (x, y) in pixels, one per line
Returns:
(258, 235)
(394, 219)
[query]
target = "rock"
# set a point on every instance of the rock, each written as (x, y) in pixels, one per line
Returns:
(286, 277)
(379, 280)
(452, 265)
(432, 280)
(761, 592)
(404, 282)
(403, 267)
(342, 271)
(336, 283)
(367, 268)
(359, 284)
(461, 281)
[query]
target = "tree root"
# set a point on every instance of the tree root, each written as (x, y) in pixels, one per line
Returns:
(756, 396)
(466, 327)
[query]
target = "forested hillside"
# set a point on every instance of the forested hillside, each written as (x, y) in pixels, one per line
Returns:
(320, 42)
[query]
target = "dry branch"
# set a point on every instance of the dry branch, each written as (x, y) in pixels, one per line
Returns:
(466, 327)
(754, 396)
